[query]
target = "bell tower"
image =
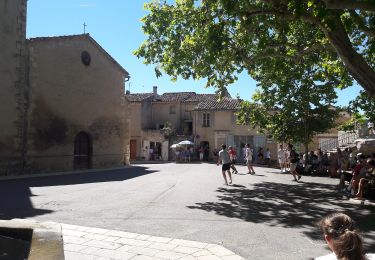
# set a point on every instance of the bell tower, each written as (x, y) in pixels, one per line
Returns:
(13, 86)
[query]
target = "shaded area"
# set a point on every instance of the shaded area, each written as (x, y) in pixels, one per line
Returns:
(15, 243)
(15, 194)
(290, 206)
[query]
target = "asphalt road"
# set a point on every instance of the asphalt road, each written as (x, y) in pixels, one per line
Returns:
(265, 216)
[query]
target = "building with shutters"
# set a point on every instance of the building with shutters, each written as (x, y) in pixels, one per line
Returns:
(201, 118)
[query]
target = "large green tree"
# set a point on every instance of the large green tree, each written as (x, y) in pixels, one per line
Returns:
(364, 104)
(218, 39)
(293, 108)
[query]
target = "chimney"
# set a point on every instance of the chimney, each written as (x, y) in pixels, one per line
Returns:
(155, 91)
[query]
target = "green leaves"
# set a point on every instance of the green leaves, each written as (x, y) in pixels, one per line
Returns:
(364, 104)
(216, 40)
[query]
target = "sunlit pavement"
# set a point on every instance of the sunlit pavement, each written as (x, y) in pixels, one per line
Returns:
(265, 216)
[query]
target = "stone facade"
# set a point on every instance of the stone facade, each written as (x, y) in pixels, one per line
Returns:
(69, 97)
(13, 87)
(63, 104)
(186, 111)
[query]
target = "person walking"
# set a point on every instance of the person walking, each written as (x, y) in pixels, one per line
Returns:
(293, 163)
(268, 157)
(249, 159)
(225, 160)
(233, 159)
(281, 157)
(201, 153)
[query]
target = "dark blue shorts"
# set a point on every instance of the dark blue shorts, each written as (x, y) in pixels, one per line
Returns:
(225, 167)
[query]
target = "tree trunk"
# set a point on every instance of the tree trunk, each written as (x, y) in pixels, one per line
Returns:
(354, 62)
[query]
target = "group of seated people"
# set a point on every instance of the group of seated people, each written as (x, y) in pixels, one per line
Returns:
(356, 172)
(361, 179)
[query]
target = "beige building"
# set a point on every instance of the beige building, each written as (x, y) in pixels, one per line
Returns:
(63, 104)
(200, 118)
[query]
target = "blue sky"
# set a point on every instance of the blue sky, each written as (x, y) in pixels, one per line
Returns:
(116, 26)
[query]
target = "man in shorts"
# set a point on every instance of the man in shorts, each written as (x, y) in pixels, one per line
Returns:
(249, 159)
(225, 160)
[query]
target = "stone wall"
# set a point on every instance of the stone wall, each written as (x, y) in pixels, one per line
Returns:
(13, 86)
(69, 97)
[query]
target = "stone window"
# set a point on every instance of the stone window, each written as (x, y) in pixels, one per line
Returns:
(206, 120)
(172, 109)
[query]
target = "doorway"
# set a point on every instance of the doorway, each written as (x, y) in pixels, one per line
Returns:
(133, 149)
(206, 150)
(82, 151)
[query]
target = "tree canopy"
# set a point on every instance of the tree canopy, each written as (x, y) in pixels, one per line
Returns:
(363, 103)
(296, 107)
(218, 39)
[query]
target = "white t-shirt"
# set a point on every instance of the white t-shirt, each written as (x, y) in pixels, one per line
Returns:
(224, 156)
(268, 154)
(333, 257)
(248, 153)
(281, 154)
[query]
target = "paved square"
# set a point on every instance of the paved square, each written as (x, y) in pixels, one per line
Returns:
(167, 207)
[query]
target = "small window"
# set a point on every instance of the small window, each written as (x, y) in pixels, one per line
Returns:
(85, 58)
(172, 109)
(206, 120)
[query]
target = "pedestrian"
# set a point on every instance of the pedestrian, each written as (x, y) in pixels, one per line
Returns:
(225, 160)
(249, 159)
(293, 163)
(201, 153)
(342, 238)
(216, 154)
(151, 151)
(281, 156)
(260, 155)
(233, 159)
(268, 157)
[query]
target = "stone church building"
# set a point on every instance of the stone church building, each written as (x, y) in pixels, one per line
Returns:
(62, 101)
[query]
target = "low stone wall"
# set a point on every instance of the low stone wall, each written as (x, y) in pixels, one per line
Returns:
(35, 240)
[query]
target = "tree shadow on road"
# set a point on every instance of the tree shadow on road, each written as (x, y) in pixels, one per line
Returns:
(288, 205)
(15, 194)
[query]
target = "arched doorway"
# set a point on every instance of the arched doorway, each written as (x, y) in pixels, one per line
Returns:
(82, 151)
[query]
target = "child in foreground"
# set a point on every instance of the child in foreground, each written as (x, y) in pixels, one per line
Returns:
(342, 238)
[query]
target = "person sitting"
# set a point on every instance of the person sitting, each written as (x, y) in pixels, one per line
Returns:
(368, 180)
(353, 176)
(325, 163)
(342, 238)
(359, 172)
(333, 167)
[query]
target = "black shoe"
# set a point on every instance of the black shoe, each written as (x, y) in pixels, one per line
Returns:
(299, 177)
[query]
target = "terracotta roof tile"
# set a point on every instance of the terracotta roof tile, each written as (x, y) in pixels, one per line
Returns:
(201, 97)
(176, 96)
(225, 103)
(138, 97)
